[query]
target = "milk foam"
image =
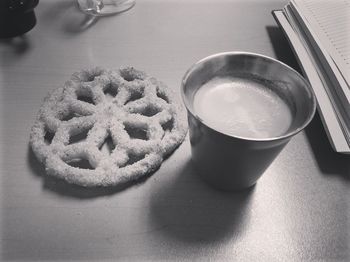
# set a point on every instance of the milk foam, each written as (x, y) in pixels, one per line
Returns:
(242, 107)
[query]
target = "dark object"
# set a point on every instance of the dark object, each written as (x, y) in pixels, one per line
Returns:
(16, 17)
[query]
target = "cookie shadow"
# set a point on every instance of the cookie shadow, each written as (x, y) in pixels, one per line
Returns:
(61, 187)
(189, 210)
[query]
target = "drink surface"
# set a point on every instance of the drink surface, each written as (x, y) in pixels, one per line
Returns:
(242, 107)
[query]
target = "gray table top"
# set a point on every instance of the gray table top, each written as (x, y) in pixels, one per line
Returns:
(298, 211)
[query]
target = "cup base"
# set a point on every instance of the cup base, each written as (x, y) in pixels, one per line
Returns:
(218, 184)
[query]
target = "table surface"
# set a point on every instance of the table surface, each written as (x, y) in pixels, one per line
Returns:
(298, 211)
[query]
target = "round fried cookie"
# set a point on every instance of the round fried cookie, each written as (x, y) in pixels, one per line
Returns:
(107, 127)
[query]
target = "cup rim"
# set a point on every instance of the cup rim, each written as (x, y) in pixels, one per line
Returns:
(235, 53)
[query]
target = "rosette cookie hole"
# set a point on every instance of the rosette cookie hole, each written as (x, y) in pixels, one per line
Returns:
(80, 163)
(135, 95)
(162, 96)
(150, 110)
(136, 132)
(70, 115)
(48, 137)
(168, 126)
(85, 95)
(133, 158)
(110, 91)
(85, 98)
(108, 145)
(79, 137)
(89, 76)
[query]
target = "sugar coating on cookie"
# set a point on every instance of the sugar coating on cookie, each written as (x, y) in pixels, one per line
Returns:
(107, 127)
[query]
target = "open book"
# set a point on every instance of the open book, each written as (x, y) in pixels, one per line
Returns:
(319, 33)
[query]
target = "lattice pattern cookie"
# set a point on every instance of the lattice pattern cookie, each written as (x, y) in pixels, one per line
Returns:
(107, 127)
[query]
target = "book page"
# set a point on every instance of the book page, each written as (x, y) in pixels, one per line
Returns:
(330, 20)
(325, 107)
(337, 86)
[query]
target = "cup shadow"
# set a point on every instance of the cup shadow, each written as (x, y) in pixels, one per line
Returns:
(61, 187)
(189, 210)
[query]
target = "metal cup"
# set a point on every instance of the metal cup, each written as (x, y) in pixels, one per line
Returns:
(230, 162)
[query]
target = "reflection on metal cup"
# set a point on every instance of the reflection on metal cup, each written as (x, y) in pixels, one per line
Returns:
(233, 161)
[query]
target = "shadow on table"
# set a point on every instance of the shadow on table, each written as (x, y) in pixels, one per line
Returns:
(67, 12)
(18, 44)
(328, 161)
(61, 187)
(191, 211)
(281, 47)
